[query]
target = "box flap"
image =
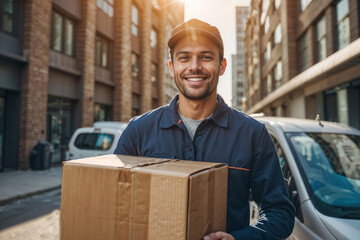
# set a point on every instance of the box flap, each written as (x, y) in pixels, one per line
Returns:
(117, 161)
(179, 168)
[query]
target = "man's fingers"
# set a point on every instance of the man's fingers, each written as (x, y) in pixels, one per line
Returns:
(218, 236)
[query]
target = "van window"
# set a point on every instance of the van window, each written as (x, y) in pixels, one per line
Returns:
(94, 141)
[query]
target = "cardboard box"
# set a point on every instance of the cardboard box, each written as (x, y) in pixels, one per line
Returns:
(124, 197)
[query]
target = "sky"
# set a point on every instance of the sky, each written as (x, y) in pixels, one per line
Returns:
(220, 13)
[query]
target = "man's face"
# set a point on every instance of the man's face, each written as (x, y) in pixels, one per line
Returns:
(196, 67)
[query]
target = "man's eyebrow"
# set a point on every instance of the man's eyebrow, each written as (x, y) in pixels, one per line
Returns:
(202, 52)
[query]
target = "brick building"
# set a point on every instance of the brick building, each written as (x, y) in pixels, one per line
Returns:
(302, 59)
(238, 61)
(67, 63)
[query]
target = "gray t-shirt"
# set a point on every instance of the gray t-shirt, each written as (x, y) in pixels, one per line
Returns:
(191, 124)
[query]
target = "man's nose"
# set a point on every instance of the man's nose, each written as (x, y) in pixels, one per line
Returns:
(195, 64)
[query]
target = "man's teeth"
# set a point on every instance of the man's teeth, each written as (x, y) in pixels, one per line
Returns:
(195, 79)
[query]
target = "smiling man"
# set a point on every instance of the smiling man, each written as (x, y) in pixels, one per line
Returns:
(197, 125)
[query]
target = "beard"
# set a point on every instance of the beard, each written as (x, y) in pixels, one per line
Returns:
(196, 94)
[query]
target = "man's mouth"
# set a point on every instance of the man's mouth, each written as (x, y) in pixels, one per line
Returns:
(195, 79)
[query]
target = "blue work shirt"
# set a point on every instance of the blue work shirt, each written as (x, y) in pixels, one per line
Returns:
(230, 137)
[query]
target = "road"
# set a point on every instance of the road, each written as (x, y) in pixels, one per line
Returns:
(33, 218)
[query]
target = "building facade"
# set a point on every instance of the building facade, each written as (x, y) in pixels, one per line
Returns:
(302, 59)
(67, 63)
(238, 61)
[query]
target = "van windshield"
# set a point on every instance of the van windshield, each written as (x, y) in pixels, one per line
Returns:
(331, 169)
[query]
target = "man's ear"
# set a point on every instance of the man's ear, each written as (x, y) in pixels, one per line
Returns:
(223, 65)
(171, 67)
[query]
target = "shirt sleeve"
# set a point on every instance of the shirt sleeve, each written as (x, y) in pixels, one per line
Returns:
(268, 188)
(127, 144)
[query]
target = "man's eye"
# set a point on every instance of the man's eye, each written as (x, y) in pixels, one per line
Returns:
(183, 58)
(206, 58)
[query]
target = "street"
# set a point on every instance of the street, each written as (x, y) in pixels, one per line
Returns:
(33, 218)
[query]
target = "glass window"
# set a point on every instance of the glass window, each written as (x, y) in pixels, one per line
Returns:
(320, 39)
(135, 104)
(268, 51)
(69, 37)
(277, 3)
(154, 75)
(94, 141)
(135, 63)
(62, 31)
(268, 84)
(277, 34)
(102, 113)
(265, 7)
(7, 15)
(153, 38)
(278, 74)
(267, 24)
(101, 52)
(303, 52)
(331, 169)
(304, 4)
(57, 31)
(106, 6)
(134, 20)
(342, 24)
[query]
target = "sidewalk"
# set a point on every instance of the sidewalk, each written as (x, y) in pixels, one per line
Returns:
(19, 184)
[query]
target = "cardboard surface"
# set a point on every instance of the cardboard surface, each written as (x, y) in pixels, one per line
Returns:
(125, 197)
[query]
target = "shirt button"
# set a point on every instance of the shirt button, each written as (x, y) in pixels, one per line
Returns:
(190, 148)
(199, 133)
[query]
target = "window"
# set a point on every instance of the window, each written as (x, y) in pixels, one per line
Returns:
(303, 52)
(268, 86)
(277, 34)
(94, 141)
(135, 63)
(278, 74)
(102, 112)
(265, 7)
(7, 16)
(342, 24)
(267, 24)
(320, 39)
(154, 75)
(101, 52)
(62, 34)
(267, 53)
(277, 3)
(304, 4)
(106, 6)
(135, 20)
(153, 38)
(135, 104)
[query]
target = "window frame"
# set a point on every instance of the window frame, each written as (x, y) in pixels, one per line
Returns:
(302, 50)
(14, 18)
(135, 25)
(64, 18)
(338, 22)
(102, 41)
(319, 38)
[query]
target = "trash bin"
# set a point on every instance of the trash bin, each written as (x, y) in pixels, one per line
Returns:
(40, 157)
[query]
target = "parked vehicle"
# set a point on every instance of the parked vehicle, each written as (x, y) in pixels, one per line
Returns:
(100, 139)
(321, 164)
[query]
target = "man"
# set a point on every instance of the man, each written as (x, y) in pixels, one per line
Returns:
(197, 125)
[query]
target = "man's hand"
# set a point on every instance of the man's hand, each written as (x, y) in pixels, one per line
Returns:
(218, 236)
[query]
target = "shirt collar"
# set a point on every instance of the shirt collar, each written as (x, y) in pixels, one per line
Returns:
(171, 116)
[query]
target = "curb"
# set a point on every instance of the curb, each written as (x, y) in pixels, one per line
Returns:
(25, 195)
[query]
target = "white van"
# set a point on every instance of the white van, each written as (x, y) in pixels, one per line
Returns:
(100, 139)
(321, 164)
